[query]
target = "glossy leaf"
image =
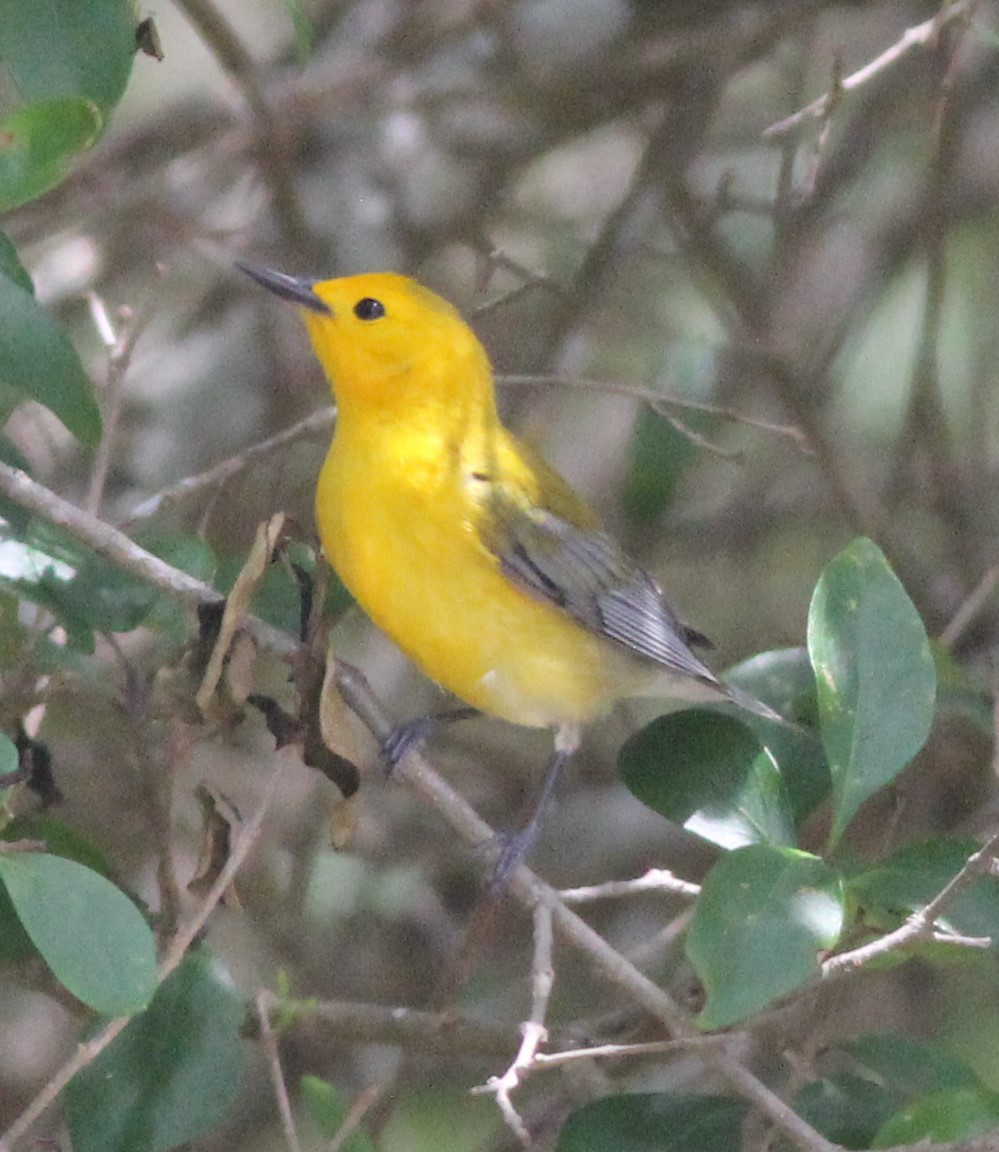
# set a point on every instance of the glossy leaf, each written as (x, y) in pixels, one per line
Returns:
(38, 362)
(874, 675)
(762, 920)
(90, 934)
(711, 774)
(785, 680)
(69, 48)
(40, 143)
(956, 1114)
(646, 1122)
(908, 881)
(172, 1075)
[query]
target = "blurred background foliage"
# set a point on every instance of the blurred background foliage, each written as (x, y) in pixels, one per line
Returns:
(593, 183)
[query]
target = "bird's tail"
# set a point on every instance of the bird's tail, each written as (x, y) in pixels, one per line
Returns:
(757, 707)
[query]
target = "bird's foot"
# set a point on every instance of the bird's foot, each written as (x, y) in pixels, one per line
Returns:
(514, 848)
(413, 734)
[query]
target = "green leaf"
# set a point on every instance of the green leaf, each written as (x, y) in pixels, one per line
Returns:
(763, 917)
(909, 1067)
(956, 1114)
(91, 935)
(328, 1110)
(711, 774)
(104, 598)
(38, 362)
(846, 1109)
(9, 759)
(907, 881)
(39, 143)
(785, 680)
(59, 840)
(654, 1122)
(69, 48)
(659, 458)
(11, 266)
(172, 1075)
(874, 675)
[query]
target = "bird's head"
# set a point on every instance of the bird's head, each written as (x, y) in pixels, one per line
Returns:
(385, 341)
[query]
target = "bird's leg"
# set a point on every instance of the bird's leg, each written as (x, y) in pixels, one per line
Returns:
(414, 733)
(516, 845)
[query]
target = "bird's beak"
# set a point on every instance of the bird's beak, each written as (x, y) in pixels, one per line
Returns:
(297, 289)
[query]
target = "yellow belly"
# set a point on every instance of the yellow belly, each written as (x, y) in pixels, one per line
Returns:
(413, 561)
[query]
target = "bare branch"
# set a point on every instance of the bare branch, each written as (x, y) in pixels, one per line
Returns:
(919, 36)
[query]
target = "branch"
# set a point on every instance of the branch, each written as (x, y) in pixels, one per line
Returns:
(916, 37)
(273, 152)
(655, 880)
(921, 925)
(225, 470)
(661, 400)
(415, 771)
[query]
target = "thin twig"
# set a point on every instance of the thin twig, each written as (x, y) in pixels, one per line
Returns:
(660, 399)
(655, 880)
(85, 1054)
(533, 1030)
(120, 348)
(355, 1117)
(916, 37)
(318, 422)
(269, 1040)
(362, 1022)
(973, 604)
(273, 150)
(922, 924)
(545, 1060)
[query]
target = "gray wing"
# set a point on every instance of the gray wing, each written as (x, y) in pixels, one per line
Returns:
(584, 572)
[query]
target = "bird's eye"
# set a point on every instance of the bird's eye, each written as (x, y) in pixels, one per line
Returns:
(369, 309)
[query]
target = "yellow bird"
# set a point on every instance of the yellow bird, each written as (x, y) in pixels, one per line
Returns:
(463, 546)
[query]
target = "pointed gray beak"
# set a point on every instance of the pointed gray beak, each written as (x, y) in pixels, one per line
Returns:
(297, 289)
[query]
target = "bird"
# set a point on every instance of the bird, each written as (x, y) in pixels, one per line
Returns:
(464, 546)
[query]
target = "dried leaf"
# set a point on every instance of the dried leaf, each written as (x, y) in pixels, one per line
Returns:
(237, 605)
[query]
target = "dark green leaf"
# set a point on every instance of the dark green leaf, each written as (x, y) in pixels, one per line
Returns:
(956, 1114)
(910, 1067)
(785, 680)
(846, 1109)
(874, 674)
(39, 143)
(329, 1110)
(59, 840)
(17, 518)
(711, 774)
(8, 755)
(908, 881)
(763, 918)
(59, 48)
(38, 362)
(91, 935)
(647, 1122)
(659, 458)
(105, 598)
(11, 266)
(171, 1076)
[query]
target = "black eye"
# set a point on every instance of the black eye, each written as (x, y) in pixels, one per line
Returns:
(369, 309)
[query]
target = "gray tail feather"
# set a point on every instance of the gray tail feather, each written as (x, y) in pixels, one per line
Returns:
(757, 707)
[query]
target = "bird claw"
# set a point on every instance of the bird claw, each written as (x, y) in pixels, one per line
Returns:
(406, 738)
(513, 850)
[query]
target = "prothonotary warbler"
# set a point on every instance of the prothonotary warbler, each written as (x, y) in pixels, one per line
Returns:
(463, 546)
